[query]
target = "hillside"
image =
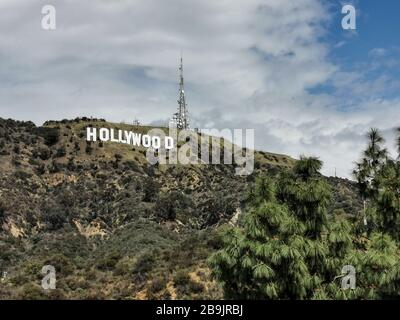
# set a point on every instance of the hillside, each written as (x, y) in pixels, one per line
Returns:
(113, 225)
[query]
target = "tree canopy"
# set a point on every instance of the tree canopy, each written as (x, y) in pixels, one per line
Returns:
(288, 247)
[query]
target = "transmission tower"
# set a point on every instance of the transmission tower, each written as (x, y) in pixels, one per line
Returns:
(181, 118)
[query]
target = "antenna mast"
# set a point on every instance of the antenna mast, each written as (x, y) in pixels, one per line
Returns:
(181, 117)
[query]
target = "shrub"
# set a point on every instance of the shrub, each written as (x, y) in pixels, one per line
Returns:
(43, 153)
(159, 283)
(181, 278)
(185, 285)
(61, 263)
(88, 148)
(219, 206)
(109, 261)
(55, 167)
(122, 267)
(2, 212)
(61, 152)
(144, 263)
(167, 205)
(32, 292)
(54, 218)
(131, 165)
(33, 162)
(150, 189)
(50, 135)
(40, 169)
(15, 161)
(195, 287)
(71, 164)
(20, 174)
(118, 157)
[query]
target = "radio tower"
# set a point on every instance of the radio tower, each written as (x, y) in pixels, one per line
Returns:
(181, 118)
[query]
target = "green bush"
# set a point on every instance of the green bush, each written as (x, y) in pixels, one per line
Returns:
(150, 189)
(159, 283)
(88, 148)
(61, 152)
(43, 153)
(109, 261)
(64, 265)
(32, 292)
(17, 149)
(131, 165)
(185, 285)
(50, 135)
(2, 212)
(144, 263)
(23, 175)
(54, 218)
(168, 205)
(181, 278)
(195, 287)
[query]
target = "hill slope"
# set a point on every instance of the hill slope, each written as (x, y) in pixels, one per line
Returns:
(113, 225)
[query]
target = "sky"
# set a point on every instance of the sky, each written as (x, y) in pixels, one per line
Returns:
(282, 67)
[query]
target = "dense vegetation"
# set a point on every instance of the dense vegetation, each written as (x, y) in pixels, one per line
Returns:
(288, 247)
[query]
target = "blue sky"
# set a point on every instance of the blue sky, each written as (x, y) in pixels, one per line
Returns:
(282, 67)
(377, 27)
(375, 41)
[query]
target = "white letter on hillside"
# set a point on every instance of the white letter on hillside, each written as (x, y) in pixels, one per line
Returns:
(156, 142)
(133, 138)
(157, 153)
(169, 143)
(104, 134)
(146, 141)
(91, 134)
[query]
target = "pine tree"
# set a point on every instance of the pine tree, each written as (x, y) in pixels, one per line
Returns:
(280, 251)
(289, 248)
(264, 259)
(307, 195)
(378, 179)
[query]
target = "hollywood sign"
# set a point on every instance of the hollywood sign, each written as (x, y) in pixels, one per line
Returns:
(187, 147)
(129, 137)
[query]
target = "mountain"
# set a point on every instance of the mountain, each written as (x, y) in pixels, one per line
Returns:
(114, 226)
